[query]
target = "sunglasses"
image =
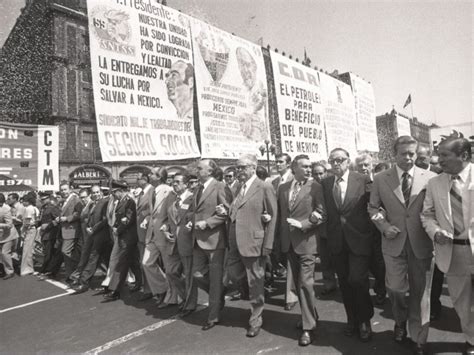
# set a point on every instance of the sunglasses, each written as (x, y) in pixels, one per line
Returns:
(337, 160)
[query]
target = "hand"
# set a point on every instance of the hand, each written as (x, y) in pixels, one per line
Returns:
(144, 224)
(55, 222)
(442, 237)
(170, 237)
(114, 230)
(266, 217)
(89, 230)
(391, 232)
(124, 220)
(63, 219)
(266, 252)
(379, 216)
(315, 217)
(201, 225)
(189, 225)
(294, 223)
(164, 228)
(220, 210)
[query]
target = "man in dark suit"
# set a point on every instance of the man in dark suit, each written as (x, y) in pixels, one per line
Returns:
(349, 229)
(179, 214)
(49, 235)
(231, 181)
(208, 231)
(98, 231)
(70, 228)
(297, 200)
(125, 234)
(251, 236)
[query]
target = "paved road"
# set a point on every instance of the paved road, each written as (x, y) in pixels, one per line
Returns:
(39, 317)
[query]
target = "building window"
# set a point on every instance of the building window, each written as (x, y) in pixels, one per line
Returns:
(87, 145)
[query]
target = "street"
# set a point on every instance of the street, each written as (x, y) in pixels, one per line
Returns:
(42, 317)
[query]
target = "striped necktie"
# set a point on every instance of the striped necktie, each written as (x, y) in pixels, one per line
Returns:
(294, 195)
(456, 206)
(406, 187)
(337, 192)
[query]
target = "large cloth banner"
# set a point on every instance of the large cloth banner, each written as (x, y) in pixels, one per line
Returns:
(143, 80)
(403, 126)
(29, 157)
(232, 94)
(300, 110)
(366, 135)
(339, 114)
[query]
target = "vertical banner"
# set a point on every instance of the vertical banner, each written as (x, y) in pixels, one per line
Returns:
(403, 126)
(143, 81)
(29, 157)
(366, 134)
(300, 110)
(231, 91)
(339, 114)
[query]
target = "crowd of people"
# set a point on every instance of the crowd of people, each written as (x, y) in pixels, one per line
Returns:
(232, 231)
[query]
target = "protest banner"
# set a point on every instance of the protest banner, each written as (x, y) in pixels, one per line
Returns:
(366, 132)
(403, 126)
(339, 114)
(143, 81)
(231, 91)
(29, 156)
(300, 110)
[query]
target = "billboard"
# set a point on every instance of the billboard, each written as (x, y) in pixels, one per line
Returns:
(29, 156)
(143, 81)
(232, 95)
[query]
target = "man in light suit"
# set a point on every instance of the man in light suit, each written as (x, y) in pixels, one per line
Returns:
(448, 217)
(208, 231)
(70, 228)
(251, 236)
(349, 233)
(396, 202)
(144, 208)
(297, 200)
(158, 247)
(8, 236)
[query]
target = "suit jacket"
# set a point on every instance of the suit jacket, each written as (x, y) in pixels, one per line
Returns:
(350, 222)
(7, 231)
(214, 236)
(387, 194)
(72, 211)
(309, 199)
(126, 219)
(159, 216)
(48, 230)
(97, 219)
(144, 210)
(437, 215)
(178, 217)
(276, 182)
(252, 235)
(233, 190)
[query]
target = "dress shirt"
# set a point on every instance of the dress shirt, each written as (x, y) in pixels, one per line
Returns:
(342, 184)
(463, 187)
(247, 184)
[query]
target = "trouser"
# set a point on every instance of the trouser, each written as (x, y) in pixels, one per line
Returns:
(101, 250)
(460, 288)
(53, 257)
(86, 249)
(406, 273)
(6, 256)
(353, 275)
(69, 250)
(154, 274)
(436, 290)
(141, 250)
(190, 285)
(208, 272)
(126, 251)
(29, 235)
(327, 267)
(291, 293)
(302, 267)
(377, 266)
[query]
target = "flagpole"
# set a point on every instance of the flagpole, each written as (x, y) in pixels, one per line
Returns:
(411, 106)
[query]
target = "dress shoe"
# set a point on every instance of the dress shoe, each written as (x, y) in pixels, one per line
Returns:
(69, 281)
(253, 332)
(144, 297)
(135, 288)
(100, 291)
(185, 312)
(112, 296)
(289, 306)
(160, 298)
(365, 332)
(9, 276)
(306, 338)
(328, 291)
(379, 299)
(350, 329)
(420, 349)
(469, 349)
(80, 289)
(400, 332)
(208, 325)
(163, 305)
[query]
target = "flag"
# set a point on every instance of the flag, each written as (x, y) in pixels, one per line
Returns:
(408, 101)
(306, 60)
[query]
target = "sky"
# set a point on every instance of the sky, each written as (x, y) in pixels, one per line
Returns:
(422, 48)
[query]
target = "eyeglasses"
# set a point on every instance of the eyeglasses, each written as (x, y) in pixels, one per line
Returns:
(228, 176)
(242, 167)
(337, 161)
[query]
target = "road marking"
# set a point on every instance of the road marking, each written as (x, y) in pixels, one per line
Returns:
(34, 302)
(60, 285)
(264, 351)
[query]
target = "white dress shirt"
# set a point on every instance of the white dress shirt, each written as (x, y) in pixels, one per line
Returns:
(343, 184)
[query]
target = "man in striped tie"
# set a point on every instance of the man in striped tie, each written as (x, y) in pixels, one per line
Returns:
(448, 217)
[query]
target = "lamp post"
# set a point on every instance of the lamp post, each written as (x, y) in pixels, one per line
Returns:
(268, 148)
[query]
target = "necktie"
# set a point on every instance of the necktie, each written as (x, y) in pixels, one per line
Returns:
(456, 206)
(294, 195)
(406, 187)
(199, 193)
(337, 192)
(178, 202)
